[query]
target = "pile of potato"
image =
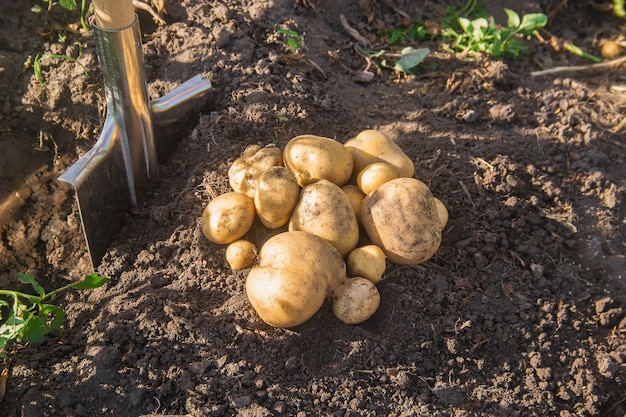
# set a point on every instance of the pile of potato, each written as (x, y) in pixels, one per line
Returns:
(320, 195)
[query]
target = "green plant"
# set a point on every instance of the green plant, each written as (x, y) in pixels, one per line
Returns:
(406, 61)
(415, 33)
(482, 35)
(294, 41)
(29, 318)
(37, 65)
(470, 9)
(618, 8)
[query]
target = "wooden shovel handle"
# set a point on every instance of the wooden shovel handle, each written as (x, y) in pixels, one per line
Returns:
(114, 14)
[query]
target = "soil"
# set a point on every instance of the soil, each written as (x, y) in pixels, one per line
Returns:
(521, 312)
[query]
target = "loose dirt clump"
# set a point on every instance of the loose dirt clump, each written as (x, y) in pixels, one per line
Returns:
(521, 312)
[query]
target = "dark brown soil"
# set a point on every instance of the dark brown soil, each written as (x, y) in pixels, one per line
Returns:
(521, 312)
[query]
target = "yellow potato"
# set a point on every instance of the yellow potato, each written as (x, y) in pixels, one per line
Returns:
(282, 297)
(227, 217)
(442, 213)
(325, 211)
(374, 175)
(401, 217)
(312, 158)
(296, 271)
(244, 173)
(356, 300)
(277, 194)
(355, 197)
(367, 261)
(240, 254)
(371, 146)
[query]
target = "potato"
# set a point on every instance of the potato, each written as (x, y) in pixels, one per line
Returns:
(374, 175)
(296, 271)
(240, 254)
(325, 211)
(244, 173)
(367, 261)
(277, 194)
(371, 146)
(227, 217)
(401, 217)
(312, 158)
(355, 197)
(442, 213)
(356, 300)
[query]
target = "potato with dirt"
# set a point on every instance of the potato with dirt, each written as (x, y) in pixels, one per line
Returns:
(374, 175)
(244, 172)
(312, 158)
(367, 261)
(240, 254)
(402, 217)
(296, 272)
(371, 146)
(227, 217)
(277, 194)
(355, 300)
(324, 210)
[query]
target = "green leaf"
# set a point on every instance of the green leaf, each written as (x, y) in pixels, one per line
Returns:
(290, 33)
(68, 4)
(57, 313)
(12, 328)
(513, 18)
(531, 22)
(90, 281)
(411, 58)
(35, 328)
(29, 279)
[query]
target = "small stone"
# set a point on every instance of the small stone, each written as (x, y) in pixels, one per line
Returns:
(537, 270)
(242, 401)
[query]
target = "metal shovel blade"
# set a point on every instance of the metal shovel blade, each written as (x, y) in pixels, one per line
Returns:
(115, 174)
(101, 187)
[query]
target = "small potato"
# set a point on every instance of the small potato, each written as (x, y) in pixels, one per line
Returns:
(324, 210)
(356, 300)
(368, 262)
(312, 158)
(355, 197)
(442, 213)
(371, 146)
(240, 254)
(244, 173)
(227, 217)
(277, 194)
(401, 217)
(374, 175)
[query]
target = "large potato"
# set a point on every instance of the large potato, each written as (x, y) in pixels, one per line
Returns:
(244, 173)
(325, 211)
(312, 158)
(277, 194)
(296, 271)
(401, 217)
(227, 217)
(371, 146)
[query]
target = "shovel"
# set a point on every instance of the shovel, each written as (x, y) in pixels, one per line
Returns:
(114, 175)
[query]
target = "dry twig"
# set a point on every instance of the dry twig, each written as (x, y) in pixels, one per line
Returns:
(353, 32)
(578, 68)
